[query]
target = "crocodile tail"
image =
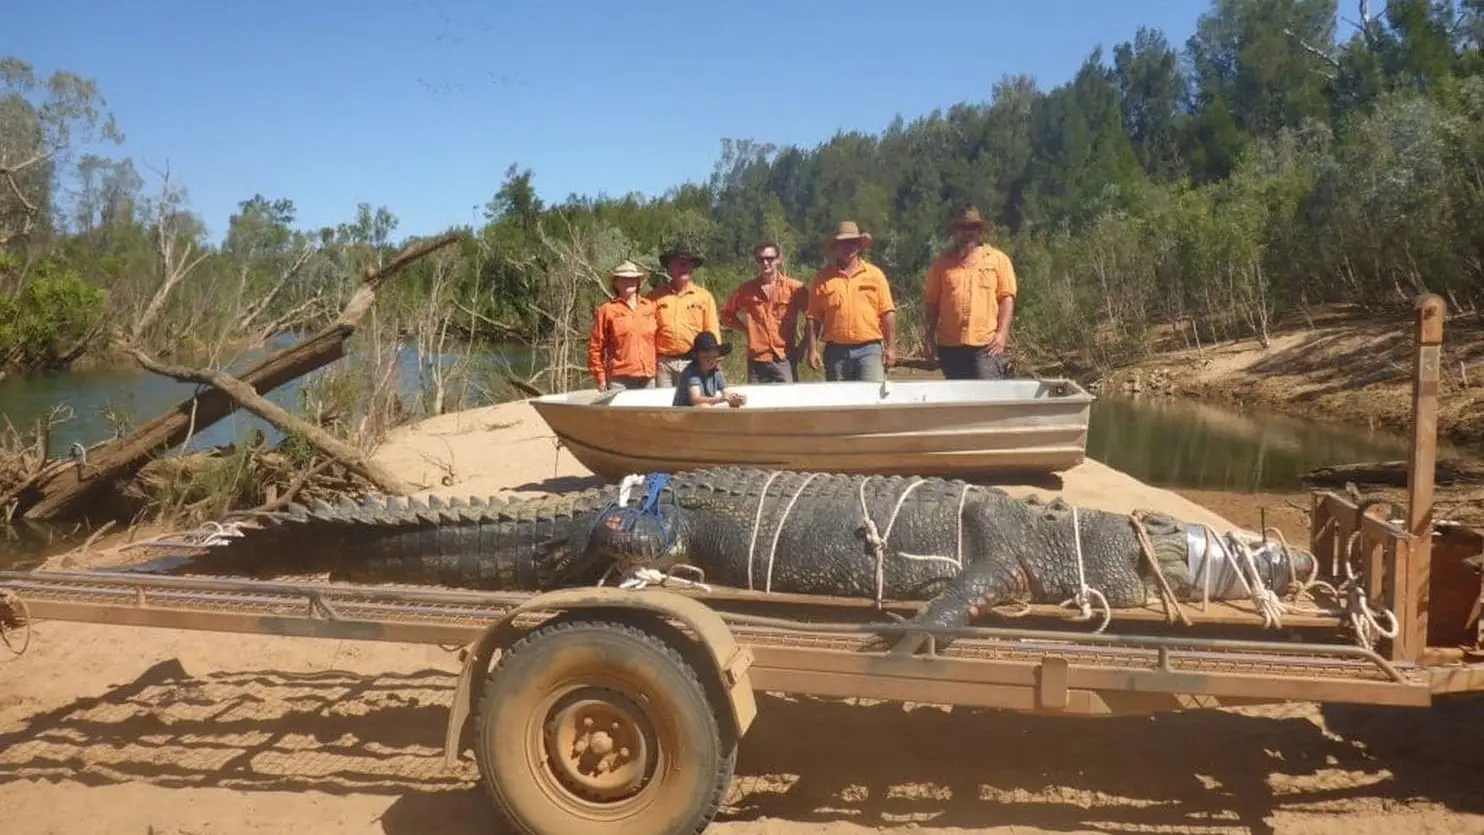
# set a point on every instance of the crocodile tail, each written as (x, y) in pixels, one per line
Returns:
(488, 543)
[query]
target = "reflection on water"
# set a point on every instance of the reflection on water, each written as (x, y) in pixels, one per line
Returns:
(99, 398)
(1171, 442)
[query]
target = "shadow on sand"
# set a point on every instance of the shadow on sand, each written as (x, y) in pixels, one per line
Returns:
(805, 760)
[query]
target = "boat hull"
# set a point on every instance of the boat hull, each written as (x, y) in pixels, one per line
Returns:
(965, 429)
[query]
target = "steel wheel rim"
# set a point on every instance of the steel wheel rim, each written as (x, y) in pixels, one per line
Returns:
(573, 733)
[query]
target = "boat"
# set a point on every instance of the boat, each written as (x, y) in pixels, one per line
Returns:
(949, 428)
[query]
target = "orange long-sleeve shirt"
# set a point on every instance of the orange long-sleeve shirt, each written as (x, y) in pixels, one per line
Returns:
(968, 294)
(680, 316)
(767, 318)
(622, 341)
(850, 306)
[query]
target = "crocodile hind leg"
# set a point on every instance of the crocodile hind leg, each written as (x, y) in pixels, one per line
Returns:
(979, 587)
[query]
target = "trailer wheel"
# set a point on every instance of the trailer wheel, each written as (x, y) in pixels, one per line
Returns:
(601, 727)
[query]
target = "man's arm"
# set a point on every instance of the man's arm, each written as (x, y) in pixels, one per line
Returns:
(595, 350)
(1005, 300)
(813, 327)
(709, 319)
(1007, 315)
(931, 292)
(728, 313)
(886, 308)
(791, 319)
(889, 337)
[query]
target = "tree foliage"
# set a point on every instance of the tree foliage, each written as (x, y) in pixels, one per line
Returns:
(1285, 155)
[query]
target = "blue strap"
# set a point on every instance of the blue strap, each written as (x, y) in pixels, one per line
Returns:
(657, 483)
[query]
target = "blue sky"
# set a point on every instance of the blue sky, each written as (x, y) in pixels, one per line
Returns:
(421, 105)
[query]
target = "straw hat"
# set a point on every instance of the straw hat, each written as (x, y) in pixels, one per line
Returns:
(625, 269)
(849, 231)
(968, 218)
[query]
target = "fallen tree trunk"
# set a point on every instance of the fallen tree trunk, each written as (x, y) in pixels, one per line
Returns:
(1394, 473)
(64, 485)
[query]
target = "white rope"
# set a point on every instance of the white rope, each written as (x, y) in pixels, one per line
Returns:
(211, 534)
(1263, 598)
(757, 519)
(626, 488)
(641, 578)
(1086, 594)
(957, 560)
(878, 541)
(1363, 619)
(773, 548)
(962, 498)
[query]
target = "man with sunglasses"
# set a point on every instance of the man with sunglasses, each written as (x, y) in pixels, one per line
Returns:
(768, 308)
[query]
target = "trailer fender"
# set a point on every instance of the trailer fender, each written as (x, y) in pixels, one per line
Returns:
(719, 658)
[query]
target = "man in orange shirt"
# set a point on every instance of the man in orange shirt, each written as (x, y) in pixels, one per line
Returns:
(682, 310)
(968, 303)
(620, 351)
(767, 308)
(851, 311)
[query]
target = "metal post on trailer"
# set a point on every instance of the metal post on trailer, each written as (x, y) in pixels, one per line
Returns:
(1412, 569)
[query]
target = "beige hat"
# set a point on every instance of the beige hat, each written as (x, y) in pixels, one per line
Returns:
(626, 269)
(849, 231)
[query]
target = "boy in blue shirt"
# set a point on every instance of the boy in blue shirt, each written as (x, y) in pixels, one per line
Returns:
(702, 383)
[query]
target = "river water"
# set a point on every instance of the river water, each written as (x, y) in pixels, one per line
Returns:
(1166, 442)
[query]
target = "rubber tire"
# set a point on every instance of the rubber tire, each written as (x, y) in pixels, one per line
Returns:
(690, 791)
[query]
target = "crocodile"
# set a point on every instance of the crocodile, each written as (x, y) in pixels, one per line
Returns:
(960, 548)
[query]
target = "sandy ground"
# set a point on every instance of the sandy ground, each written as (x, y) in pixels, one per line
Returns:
(107, 730)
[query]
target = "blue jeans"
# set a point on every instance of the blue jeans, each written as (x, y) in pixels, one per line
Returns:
(854, 362)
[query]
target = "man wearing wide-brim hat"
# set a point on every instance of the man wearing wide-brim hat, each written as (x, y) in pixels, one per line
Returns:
(683, 309)
(968, 302)
(620, 350)
(851, 311)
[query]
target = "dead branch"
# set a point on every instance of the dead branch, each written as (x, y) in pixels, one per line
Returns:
(294, 487)
(266, 409)
(259, 307)
(176, 263)
(300, 313)
(523, 387)
(65, 483)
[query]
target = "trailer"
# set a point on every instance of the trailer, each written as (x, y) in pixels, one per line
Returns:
(619, 710)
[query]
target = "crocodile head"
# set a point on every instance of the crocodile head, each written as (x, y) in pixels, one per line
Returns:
(627, 538)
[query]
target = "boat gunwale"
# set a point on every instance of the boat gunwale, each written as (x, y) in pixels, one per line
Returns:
(1080, 398)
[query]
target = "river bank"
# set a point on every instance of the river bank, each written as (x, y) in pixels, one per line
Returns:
(1337, 364)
